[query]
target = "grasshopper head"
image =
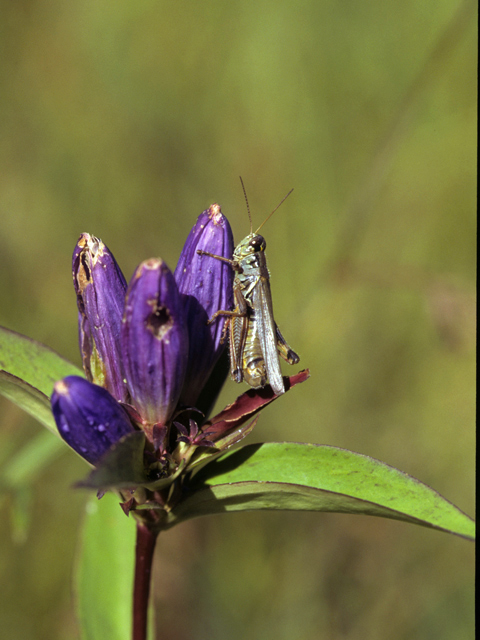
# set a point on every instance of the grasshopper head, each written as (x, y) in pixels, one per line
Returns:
(253, 243)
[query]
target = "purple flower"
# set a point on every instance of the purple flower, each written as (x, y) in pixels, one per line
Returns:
(206, 286)
(100, 288)
(148, 346)
(88, 418)
(154, 341)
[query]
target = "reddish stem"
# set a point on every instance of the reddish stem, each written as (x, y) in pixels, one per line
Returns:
(144, 549)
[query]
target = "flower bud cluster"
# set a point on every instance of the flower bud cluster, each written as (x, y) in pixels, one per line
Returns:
(147, 349)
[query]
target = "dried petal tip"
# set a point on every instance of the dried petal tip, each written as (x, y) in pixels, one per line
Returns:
(100, 288)
(154, 341)
(87, 417)
(215, 213)
(206, 285)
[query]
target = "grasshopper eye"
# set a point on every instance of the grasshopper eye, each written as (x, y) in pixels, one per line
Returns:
(257, 243)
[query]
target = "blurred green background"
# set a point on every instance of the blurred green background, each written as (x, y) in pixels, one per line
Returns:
(127, 119)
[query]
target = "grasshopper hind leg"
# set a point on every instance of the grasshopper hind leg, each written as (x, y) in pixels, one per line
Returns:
(284, 349)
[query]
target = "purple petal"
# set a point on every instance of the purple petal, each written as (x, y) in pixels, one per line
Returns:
(100, 288)
(87, 417)
(154, 341)
(207, 286)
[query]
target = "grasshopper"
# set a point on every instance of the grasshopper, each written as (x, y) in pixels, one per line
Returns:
(255, 339)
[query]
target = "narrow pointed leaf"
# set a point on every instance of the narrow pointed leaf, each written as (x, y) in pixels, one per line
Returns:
(104, 575)
(121, 467)
(28, 398)
(310, 477)
(28, 371)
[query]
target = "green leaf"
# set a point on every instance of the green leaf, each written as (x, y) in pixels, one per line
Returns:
(22, 468)
(105, 569)
(28, 371)
(311, 477)
(31, 400)
(121, 467)
(19, 472)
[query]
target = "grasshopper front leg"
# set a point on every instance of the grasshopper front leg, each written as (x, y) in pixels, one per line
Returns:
(240, 310)
(237, 325)
(233, 263)
(241, 306)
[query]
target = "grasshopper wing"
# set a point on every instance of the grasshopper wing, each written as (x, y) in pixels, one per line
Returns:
(262, 303)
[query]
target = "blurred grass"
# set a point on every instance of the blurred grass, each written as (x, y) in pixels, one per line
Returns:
(126, 120)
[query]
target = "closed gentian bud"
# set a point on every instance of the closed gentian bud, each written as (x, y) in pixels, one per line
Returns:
(87, 417)
(206, 285)
(100, 288)
(154, 341)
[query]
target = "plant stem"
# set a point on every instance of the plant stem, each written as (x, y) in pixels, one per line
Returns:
(144, 549)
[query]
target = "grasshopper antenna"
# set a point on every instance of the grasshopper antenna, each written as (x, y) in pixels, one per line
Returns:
(248, 208)
(268, 217)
